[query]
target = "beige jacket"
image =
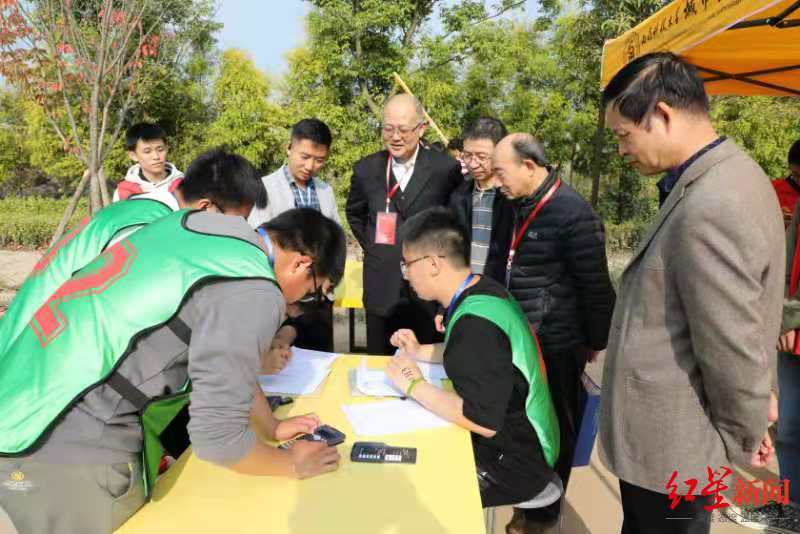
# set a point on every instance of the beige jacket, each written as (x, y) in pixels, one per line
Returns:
(688, 370)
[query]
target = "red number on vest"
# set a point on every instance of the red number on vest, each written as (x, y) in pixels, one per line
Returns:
(48, 322)
(50, 254)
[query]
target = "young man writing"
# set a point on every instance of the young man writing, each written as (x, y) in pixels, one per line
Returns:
(146, 145)
(90, 419)
(490, 355)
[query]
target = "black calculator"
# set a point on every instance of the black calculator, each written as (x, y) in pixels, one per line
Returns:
(325, 433)
(381, 453)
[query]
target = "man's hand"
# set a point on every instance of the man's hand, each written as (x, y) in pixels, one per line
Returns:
(401, 370)
(438, 321)
(772, 411)
(311, 458)
(406, 341)
(764, 453)
(302, 424)
(276, 359)
(786, 341)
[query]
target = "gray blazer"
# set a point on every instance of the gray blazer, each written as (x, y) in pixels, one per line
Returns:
(687, 375)
(280, 199)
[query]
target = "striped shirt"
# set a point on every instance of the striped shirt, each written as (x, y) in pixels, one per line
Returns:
(303, 198)
(482, 202)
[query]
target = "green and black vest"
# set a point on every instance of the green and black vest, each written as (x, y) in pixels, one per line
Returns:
(72, 253)
(80, 336)
(508, 317)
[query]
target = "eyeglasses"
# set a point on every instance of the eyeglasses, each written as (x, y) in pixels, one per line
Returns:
(404, 265)
(404, 131)
(316, 295)
(480, 159)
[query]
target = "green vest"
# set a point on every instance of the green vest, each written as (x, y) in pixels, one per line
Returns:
(508, 317)
(69, 255)
(81, 335)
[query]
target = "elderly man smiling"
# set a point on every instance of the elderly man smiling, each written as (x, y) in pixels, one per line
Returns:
(387, 188)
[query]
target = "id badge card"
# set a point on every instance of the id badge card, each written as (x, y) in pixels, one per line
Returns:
(386, 228)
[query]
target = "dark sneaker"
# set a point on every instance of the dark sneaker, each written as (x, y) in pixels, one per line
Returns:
(772, 517)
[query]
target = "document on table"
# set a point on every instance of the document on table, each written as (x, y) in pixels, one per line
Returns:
(375, 383)
(303, 375)
(391, 417)
(430, 370)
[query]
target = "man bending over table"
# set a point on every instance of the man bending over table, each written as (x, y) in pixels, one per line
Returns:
(105, 365)
(491, 356)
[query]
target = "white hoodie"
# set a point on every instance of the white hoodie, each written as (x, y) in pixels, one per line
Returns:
(134, 183)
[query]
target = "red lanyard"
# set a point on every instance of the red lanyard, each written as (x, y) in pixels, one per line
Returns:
(520, 232)
(390, 193)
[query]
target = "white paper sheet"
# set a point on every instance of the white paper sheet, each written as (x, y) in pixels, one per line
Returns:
(375, 383)
(303, 375)
(391, 417)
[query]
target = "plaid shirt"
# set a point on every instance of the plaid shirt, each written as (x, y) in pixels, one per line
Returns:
(482, 204)
(302, 199)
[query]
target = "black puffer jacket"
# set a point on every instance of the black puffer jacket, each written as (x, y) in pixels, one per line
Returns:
(560, 271)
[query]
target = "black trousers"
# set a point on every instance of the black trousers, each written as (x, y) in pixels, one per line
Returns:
(648, 512)
(315, 326)
(508, 478)
(413, 314)
(564, 371)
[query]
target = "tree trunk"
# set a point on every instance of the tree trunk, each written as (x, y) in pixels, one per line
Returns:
(73, 203)
(598, 153)
(101, 174)
(94, 194)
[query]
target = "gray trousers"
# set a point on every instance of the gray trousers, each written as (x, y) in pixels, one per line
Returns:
(69, 499)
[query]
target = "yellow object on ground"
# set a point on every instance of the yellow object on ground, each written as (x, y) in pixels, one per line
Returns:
(742, 47)
(438, 494)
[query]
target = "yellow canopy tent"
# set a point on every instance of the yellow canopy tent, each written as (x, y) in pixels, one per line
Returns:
(741, 47)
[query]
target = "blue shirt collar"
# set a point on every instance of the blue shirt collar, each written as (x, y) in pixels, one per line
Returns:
(667, 183)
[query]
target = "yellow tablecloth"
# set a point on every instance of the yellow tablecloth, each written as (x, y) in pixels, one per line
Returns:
(438, 494)
(350, 291)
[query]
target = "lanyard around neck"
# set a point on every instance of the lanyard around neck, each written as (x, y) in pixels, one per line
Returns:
(390, 193)
(520, 232)
(460, 290)
(268, 244)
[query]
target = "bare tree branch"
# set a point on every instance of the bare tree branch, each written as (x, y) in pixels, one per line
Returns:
(73, 203)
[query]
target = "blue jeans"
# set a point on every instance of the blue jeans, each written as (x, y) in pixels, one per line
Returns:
(788, 443)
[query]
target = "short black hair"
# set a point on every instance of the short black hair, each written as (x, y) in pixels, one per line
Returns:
(143, 131)
(486, 128)
(437, 146)
(438, 231)
(226, 179)
(658, 77)
(527, 146)
(314, 130)
(794, 153)
(309, 232)
(456, 144)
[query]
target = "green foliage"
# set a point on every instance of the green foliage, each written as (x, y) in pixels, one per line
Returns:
(624, 236)
(30, 222)
(480, 57)
(46, 150)
(247, 122)
(764, 126)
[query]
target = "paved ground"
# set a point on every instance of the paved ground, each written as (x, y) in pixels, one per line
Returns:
(592, 502)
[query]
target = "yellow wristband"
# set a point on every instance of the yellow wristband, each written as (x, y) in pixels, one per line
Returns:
(413, 384)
